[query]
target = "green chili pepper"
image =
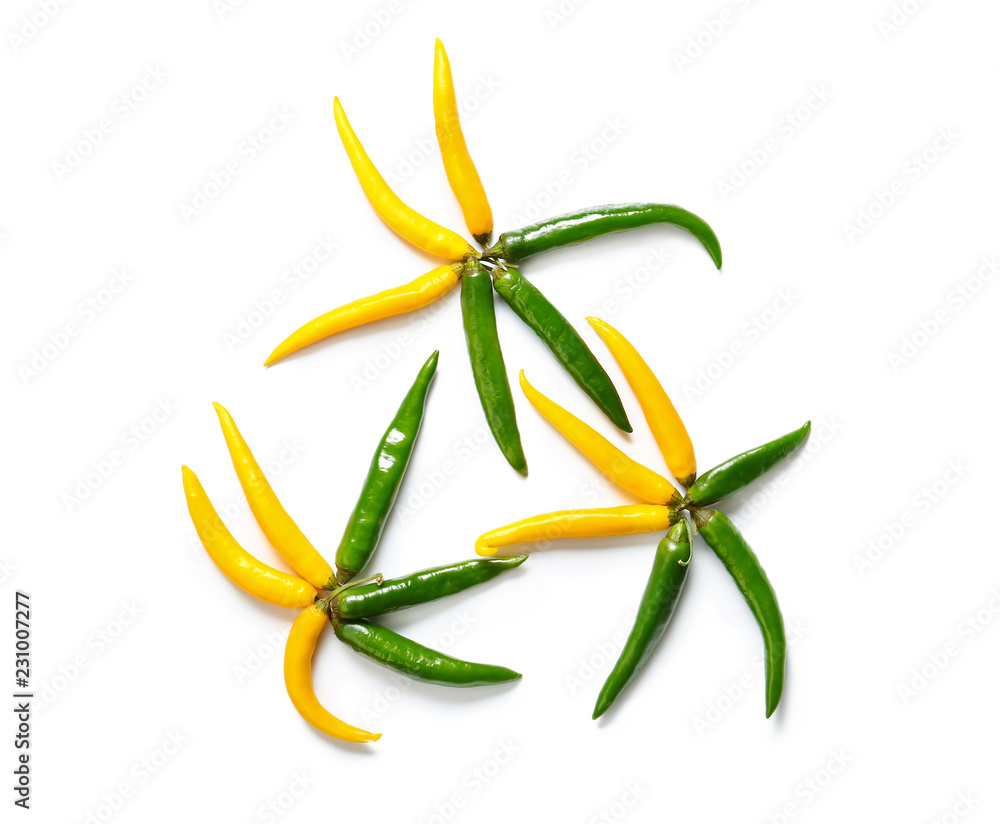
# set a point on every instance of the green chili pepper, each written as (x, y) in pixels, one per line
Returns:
(547, 322)
(726, 541)
(378, 494)
(659, 599)
(419, 587)
(586, 224)
(488, 370)
(415, 660)
(732, 475)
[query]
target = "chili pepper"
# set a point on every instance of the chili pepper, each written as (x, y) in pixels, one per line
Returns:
(586, 224)
(281, 531)
(406, 298)
(238, 565)
(732, 475)
(298, 678)
(410, 225)
(419, 587)
(488, 369)
(415, 660)
(384, 477)
(547, 322)
(725, 539)
(659, 600)
(579, 523)
(619, 467)
(458, 165)
(664, 422)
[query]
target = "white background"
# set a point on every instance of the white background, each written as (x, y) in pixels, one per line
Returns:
(846, 101)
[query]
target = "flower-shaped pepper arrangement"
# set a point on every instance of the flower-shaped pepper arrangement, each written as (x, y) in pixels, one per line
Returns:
(495, 266)
(664, 510)
(351, 601)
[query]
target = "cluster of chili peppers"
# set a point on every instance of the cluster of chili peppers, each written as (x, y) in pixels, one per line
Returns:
(349, 602)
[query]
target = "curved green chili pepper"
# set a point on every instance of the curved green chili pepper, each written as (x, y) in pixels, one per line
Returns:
(385, 474)
(726, 541)
(732, 475)
(547, 322)
(659, 599)
(586, 224)
(488, 370)
(419, 587)
(415, 660)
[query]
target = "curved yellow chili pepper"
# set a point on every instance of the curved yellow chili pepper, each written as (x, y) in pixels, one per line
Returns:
(458, 165)
(619, 467)
(579, 523)
(281, 531)
(413, 226)
(406, 298)
(298, 678)
(240, 567)
(667, 427)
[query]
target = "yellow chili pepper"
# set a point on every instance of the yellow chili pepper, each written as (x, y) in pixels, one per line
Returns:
(458, 165)
(579, 523)
(667, 427)
(249, 574)
(281, 531)
(413, 226)
(298, 678)
(406, 298)
(619, 467)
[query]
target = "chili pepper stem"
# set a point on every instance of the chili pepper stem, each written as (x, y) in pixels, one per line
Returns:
(326, 602)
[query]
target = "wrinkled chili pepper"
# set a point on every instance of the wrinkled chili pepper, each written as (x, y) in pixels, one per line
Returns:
(656, 607)
(378, 493)
(415, 660)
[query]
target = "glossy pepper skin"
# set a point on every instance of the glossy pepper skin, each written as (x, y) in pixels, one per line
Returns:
(728, 543)
(488, 369)
(659, 600)
(378, 494)
(732, 475)
(532, 307)
(421, 587)
(415, 660)
(586, 224)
